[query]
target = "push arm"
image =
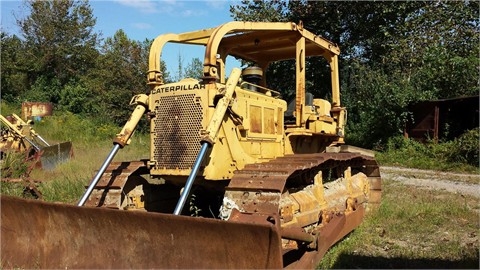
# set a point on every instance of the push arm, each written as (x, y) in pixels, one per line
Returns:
(122, 139)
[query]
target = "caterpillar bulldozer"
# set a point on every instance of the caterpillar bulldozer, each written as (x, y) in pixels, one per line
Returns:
(19, 136)
(236, 178)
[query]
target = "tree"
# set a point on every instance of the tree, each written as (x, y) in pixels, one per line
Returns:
(14, 80)
(59, 42)
(430, 51)
(194, 69)
(259, 11)
(119, 74)
(437, 49)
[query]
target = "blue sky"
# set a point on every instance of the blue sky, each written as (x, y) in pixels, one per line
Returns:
(142, 19)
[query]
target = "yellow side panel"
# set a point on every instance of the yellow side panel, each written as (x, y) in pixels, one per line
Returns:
(269, 117)
(255, 119)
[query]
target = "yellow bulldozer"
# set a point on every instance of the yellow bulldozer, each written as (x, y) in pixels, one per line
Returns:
(19, 136)
(237, 177)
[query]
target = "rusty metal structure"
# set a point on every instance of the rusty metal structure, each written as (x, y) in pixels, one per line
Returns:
(19, 136)
(443, 119)
(237, 177)
(36, 109)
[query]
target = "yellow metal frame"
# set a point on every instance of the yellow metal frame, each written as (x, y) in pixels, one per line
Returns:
(259, 133)
(258, 42)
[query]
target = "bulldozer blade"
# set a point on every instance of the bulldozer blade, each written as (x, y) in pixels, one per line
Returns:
(51, 156)
(36, 234)
(338, 227)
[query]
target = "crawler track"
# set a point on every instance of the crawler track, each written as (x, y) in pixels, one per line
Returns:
(312, 213)
(299, 169)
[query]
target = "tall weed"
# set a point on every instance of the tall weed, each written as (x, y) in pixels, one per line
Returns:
(67, 126)
(461, 154)
(14, 165)
(68, 189)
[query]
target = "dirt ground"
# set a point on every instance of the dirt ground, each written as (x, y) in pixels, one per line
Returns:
(466, 184)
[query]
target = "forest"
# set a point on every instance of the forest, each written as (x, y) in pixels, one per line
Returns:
(392, 54)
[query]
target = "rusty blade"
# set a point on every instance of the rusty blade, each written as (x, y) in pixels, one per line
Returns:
(53, 155)
(43, 235)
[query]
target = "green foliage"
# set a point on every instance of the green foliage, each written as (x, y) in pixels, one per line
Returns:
(466, 148)
(259, 11)
(59, 39)
(13, 80)
(435, 49)
(462, 154)
(66, 126)
(376, 103)
(119, 75)
(43, 90)
(7, 108)
(194, 69)
(440, 72)
(76, 98)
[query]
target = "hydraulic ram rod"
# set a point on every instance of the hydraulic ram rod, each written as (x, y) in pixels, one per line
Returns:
(99, 174)
(191, 179)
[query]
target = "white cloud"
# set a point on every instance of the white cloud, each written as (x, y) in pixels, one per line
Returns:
(220, 4)
(144, 6)
(193, 13)
(142, 26)
(216, 4)
(188, 12)
(177, 7)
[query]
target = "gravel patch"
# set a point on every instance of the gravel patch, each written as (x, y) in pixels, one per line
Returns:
(466, 184)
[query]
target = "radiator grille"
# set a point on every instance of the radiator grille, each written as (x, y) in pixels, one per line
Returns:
(178, 122)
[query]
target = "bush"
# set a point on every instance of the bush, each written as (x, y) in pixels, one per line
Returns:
(466, 148)
(77, 99)
(43, 90)
(461, 154)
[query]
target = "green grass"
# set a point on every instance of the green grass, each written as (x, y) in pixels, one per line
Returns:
(403, 158)
(66, 183)
(14, 165)
(12, 189)
(67, 190)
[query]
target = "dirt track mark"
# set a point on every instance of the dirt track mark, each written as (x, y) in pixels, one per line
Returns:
(466, 184)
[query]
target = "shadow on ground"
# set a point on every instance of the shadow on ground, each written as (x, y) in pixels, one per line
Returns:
(349, 261)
